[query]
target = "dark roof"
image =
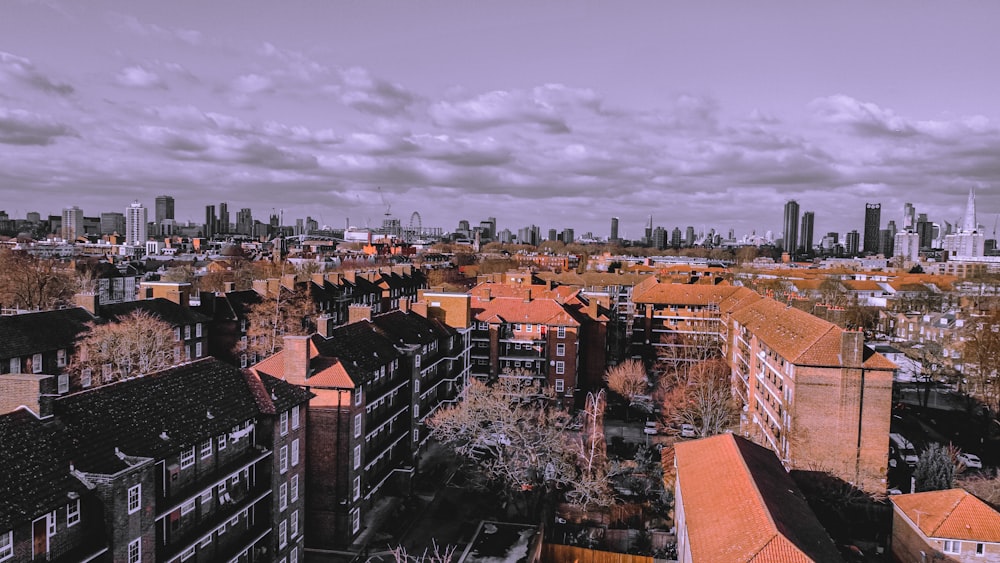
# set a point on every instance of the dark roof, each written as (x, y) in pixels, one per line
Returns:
(241, 301)
(283, 396)
(360, 348)
(407, 328)
(166, 309)
(33, 333)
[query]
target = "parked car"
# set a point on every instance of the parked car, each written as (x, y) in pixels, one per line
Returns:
(971, 461)
(687, 431)
(650, 428)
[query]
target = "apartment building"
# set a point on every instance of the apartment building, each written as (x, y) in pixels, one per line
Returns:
(187, 464)
(811, 391)
(41, 342)
(375, 381)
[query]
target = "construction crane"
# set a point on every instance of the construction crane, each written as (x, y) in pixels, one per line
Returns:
(388, 206)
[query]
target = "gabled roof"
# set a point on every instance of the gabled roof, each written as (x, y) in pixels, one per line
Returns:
(950, 514)
(740, 505)
(794, 334)
(326, 372)
(515, 310)
(409, 328)
(682, 294)
(359, 347)
(33, 333)
(166, 309)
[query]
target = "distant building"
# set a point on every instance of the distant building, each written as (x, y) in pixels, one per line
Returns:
(949, 525)
(72, 223)
(791, 227)
(112, 222)
(808, 225)
(614, 230)
(136, 225)
(164, 215)
(851, 243)
(873, 223)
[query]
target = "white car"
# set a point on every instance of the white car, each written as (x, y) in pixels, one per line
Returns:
(687, 431)
(650, 428)
(971, 461)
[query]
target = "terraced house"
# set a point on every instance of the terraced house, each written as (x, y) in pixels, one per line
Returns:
(200, 462)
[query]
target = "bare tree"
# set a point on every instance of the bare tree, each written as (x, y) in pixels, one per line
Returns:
(981, 356)
(290, 312)
(137, 344)
(33, 284)
(514, 440)
(628, 379)
(593, 486)
(704, 399)
(434, 554)
(986, 487)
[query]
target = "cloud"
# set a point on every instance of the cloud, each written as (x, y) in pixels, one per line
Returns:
(137, 76)
(20, 127)
(19, 69)
(215, 147)
(864, 118)
(550, 107)
(131, 24)
(365, 93)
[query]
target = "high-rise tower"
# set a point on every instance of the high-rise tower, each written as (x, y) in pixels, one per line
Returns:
(873, 222)
(614, 230)
(135, 224)
(808, 224)
(791, 230)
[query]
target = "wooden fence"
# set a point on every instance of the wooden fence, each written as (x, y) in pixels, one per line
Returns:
(555, 553)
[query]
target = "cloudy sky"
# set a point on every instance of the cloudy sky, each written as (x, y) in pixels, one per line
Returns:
(556, 113)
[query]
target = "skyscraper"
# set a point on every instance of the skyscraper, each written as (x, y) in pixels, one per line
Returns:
(164, 208)
(614, 230)
(244, 221)
(135, 224)
(873, 223)
(222, 227)
(808, 224)
(210, 221)
(852, 243)
(72, 223)
(909, 214)
(791, 226)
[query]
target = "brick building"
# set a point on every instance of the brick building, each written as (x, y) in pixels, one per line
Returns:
(375, 381)
(198, 462)
(951, 525)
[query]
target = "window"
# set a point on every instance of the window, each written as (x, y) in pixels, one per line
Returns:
(63, 383)
(416, 385)
(234, 521)
(177, 334)
(284, 423)
(86, 377)
(187, 554)
(483, 326)
(187, 507)
(187, 353)
(187, 332)
(197, 330)
(72, 513)
(283, 533)
(134, 498)
(6, 546)
(561, 332)
(357, 457)
(416, 434)
(222, 442)
(560, 350)
(187, 458)
(61, 357)
(295, 488)
(357, 397)
(15, 365)
(295, 417)
(295, 523)
(206, 497)
(952, 546)
(243, 360)
(293, 556)
(197, 349)
(980, 549)
(50, 521)
(222, 529)
(357, 488)
(560, 385)
(528, 327)
(357, 425)
(560, 368)
(283, 459)
(355, 520)
(517, 326)
(295, 452)
(416, 411)
(135, 551)
(36, 363)
(283, 496)
(206, 449)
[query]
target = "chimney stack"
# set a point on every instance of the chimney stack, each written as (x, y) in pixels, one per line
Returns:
(852, 345)
(359, 312)
(89, 301)
(296, 356)
(324, 325)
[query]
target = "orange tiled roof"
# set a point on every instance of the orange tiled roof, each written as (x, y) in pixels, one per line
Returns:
(791, 332)
(951, 514)
(326, 371)
(861, 285)
(758, 516)
(517, 310)
(681, 294)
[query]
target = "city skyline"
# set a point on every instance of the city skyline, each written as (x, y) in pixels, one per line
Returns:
(553, 115)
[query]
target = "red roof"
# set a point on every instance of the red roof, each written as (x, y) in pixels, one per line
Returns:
(950, 514)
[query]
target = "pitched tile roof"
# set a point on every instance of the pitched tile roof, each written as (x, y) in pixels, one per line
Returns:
(359, 347)
(951, 514)
(515, 310)
(682, 293)
(33, 333)
(326, 372)
(164, 308)
(741, 505)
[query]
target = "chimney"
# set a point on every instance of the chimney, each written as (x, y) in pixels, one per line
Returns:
(296, 356)
(319, 279)
(37, 392)
(228, 287)
(288, 281)
(260, 286)
(358, 312)
(404, 304)
(351, 276)
(527, 295)
(324, 325)
(852, 345)
(89, 301)
(420, 308)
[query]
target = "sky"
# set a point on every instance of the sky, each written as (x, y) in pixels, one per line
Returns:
(556, 113)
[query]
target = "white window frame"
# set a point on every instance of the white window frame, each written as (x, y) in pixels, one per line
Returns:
(136, 555)
(222, 441)
(61, 357)
(187, 332)
(188, 553)
(283, 459)
(206, 449)
(283, 496)
(134, 498)
(86, 377)
(187, 457)
(283, 533)
(63, 383)
(177, 334)
(560, 350)
(357, 425)
(294, 519)
(294, 488)
(15, 365)
(205, 541)
(560, 368)
(205, 497)
(357, 456)
(357, 397)
(197, 330)
(187, 507)
(561, 332)
(357, 487)
(416, 434)
(293, 555)
(980, 549)
(355, 520)
(528, 327)
(560, 385)
(295, 452)
(283, 423)
(72, 514)
(952, 546)
(295, 417)
(6, 545)
(197, 349)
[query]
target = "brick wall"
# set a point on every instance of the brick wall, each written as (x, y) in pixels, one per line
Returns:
(327, 470)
